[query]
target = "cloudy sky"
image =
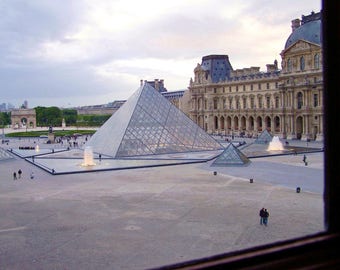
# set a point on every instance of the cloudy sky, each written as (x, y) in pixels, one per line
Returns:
(84, 52)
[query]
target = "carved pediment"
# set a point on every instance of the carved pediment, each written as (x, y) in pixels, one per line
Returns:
(301, 46)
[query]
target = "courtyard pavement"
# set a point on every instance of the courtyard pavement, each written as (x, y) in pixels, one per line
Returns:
(149, 217)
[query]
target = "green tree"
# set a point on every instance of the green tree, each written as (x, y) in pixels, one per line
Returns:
(48, 116)
(92, 120)
(70, 116)
(5, 118)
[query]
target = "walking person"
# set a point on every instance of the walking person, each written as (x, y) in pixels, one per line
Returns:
(19, 173)
(304, 159)
(265, 218)
(261, 214)
(14, 176)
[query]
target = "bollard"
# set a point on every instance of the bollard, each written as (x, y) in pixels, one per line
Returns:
(215, 173)
(251, 180)
(298, 189)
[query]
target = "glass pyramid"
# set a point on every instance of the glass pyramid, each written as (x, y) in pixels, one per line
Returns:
(148, 124)
(230, 156)
(264, 138)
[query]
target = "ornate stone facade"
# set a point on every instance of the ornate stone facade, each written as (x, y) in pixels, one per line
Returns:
(287, 102)
(23, 118)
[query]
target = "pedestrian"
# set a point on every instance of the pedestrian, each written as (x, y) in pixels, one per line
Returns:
(19, 173)
(100, 157)
(14, 176)
(265, 218)
(32, 175)
(261, 216)
(304, 158)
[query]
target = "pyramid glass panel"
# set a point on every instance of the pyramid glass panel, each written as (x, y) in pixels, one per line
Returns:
(107, 139)
(231, 156)
(264, 138)
(148, 124)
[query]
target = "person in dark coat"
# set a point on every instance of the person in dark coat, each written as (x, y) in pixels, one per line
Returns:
(19, 173)
(261, 214)
(266, 216)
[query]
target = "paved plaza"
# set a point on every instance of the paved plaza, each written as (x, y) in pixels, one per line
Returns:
(148, 217)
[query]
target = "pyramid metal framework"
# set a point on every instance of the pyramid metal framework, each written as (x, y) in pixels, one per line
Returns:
(148, 124)
(264, 138)
(231, 156)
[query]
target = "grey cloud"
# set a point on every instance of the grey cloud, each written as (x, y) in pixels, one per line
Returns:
(170, 37)
(50, 82)
(25, 24)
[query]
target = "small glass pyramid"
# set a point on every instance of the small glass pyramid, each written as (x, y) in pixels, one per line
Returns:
(264, 138)
(148, 124)
(230, 156)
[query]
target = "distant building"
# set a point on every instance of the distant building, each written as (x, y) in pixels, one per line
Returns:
(24, 105)
(3, 107)
(287, 102)
(6, 107)
(157, 84)
(109, 108)
(112, 107)
(174, 96)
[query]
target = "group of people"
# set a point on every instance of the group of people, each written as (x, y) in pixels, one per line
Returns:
(17, 176)
(264, 215)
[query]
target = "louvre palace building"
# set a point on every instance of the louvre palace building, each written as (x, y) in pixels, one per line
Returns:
(287, 100)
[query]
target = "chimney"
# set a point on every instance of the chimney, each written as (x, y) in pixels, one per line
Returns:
(157, 85)
(295, 24)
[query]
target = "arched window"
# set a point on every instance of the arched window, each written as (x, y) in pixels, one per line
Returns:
(302, 63)
(216, 122)
(277, 123)
(222, 122)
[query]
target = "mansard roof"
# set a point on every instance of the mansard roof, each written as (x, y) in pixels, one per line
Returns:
(309, 30)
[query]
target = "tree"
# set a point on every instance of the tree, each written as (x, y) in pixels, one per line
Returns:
(5, 118)
(48, 116)
(70, 116)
